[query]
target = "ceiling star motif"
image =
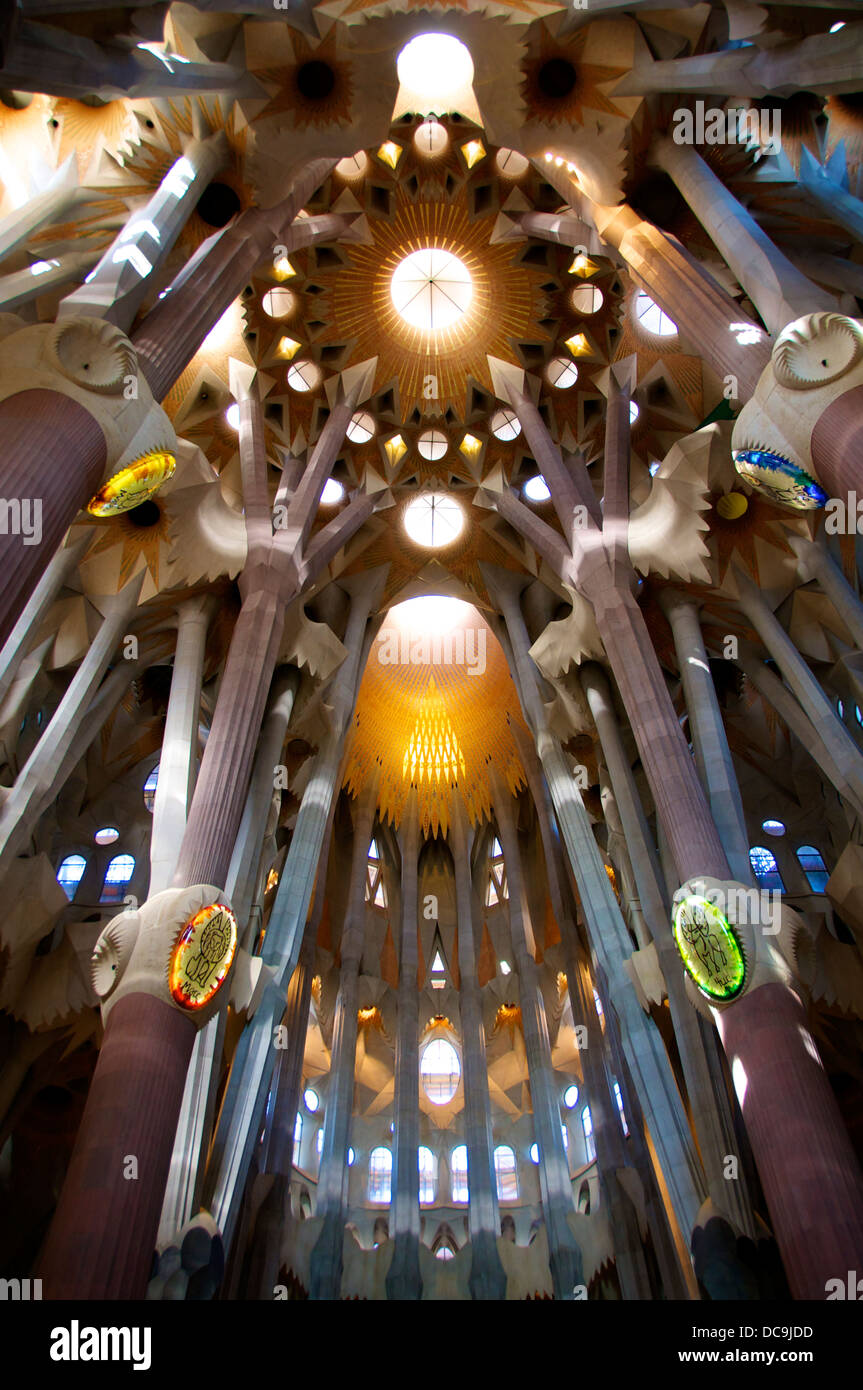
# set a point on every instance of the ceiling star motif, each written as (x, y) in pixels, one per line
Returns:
(546, 79)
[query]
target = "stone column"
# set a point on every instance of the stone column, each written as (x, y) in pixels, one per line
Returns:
(816, 562)
(487, 1278)
(404, 1280)
(712, 1119)
(177, 765)
(555, 1185)
(709, 740)
(63, 564)
(779, 291)
(326, 1257)
(840, 746)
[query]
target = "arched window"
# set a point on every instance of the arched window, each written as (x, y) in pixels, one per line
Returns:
(440, 1070)
(587, 1126)
(375, 891)
(428, 1175)
(150, 789)
(459, 1190)
(813, 866)
(497, 891)
(765, 868)
(319, 1140)
(70, 873)
(380, 1175)
(506, 1172)
(584, 1199)
(120, 871)
(443, 1252)
(298, 1137)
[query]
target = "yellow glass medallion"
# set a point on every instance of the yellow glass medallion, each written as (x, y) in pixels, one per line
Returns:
(132, 485)
(202, 956)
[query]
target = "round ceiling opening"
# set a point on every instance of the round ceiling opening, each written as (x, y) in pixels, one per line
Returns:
(431, 289)
(434, 519)
(437, 70)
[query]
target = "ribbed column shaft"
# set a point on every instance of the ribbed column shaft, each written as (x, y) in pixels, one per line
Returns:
(53, 457)
(177, 764)
(710, 741)
(816, 562)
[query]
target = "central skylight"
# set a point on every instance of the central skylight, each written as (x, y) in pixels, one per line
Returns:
(431, 289)
(434, 519)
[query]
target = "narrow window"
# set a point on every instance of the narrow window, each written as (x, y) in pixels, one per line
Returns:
(150, 789)
(428, 1175)
(587, 1126)
(765, 868)
(813, 866)
(118, 875)
(380, 1175)
(70, 873)
(458, 1174)
(375, 891)
(497, 890)
(506, 1173)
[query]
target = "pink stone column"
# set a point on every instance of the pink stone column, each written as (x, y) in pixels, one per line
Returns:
(837, 445)
(53, 456)
(100, 1244)
(806, 1163)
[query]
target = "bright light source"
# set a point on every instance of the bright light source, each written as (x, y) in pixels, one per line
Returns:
(840, 24)
(353, 166)
(570, 1097)
(431, 613)
(537, 489)
(431, 289)
(432, 445)
(511, 164)
(586, 299)
(390, 153)
(227, 327)
(654, 468)
(505, 967)
(304, 376)
(434, 519)
(534, 1153)
(311, 1099)
(361, 428)
(278, 303)
(435, 69)
(773, 827)
(232, 415)
(333, 492)
(473, 152)
(562, 373)
(634, 412)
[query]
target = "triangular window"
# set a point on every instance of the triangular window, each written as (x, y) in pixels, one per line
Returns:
(496, 889)
(376, 893)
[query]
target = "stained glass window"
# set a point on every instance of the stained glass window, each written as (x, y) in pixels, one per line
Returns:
(813, 866)
(458, 1174)
(506, 1172)
(765, 868)
(70, 873)
(119, 872)
(380, 1175)
(428, 1175)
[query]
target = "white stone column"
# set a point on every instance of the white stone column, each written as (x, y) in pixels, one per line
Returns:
(177, 765)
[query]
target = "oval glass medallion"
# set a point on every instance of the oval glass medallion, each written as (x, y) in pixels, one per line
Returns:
(132, 485)
(778, 479)
(709, 948)
(202, 956)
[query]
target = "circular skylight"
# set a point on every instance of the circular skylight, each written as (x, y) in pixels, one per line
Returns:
(304, 376)
(570, 1097)
(586, 299)
(311, 1099)
(537, 489)
(430, 139)
(432, 445)
(505, 425)
(232, 416)
(562, 373)
(361, 428)
(278, 303)
(434, 519)
(773, 827)
(440, 1070)
(651, 318)
(431, 289)
(353, 166)
(437, 69)
(107, 835)
(511, 164)
(333, 492)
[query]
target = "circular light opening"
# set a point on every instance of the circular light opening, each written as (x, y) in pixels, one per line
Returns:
(278, 303)
(440, 1070)
(570, 1097)
(773, 827)
(587, 299)
(434, 520)
(633, 412)
(430, 139)
(232, 415)
(511, 164)
(431, 289)
(653, 319)
(304, 376)
(537, 489)
(311, 1100)
(333, 492)
(505, 425)
(361, 428)
(562, 373)
(534, 1153)
(107, 835)
(432, 445)
(436, 69)
(353, 166)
